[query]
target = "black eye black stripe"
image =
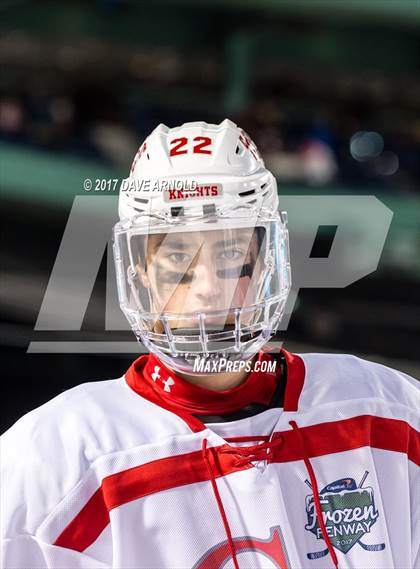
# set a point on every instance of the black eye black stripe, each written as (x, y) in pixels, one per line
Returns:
(175, 277)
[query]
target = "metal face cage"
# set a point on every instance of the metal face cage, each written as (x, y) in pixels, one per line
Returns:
(160, 292)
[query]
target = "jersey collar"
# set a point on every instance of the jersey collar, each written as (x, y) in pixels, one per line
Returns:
(151, 379)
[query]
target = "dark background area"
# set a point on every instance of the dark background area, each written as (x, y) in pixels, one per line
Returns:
(329, 91)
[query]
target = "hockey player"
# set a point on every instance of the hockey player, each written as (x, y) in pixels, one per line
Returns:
(211, 452)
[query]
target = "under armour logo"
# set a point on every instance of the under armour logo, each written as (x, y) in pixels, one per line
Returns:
(156, 374)
(167, 383)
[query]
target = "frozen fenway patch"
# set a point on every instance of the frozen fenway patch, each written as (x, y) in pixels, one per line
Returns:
(349, 513)
(202, 191)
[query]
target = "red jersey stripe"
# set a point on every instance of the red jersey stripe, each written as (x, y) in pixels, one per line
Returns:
(175, 471)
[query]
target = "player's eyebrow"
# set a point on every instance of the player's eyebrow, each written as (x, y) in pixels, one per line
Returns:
(233, 241)
(177, 244)
(181, 244)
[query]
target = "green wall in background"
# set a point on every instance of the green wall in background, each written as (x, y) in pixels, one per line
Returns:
(46, 179)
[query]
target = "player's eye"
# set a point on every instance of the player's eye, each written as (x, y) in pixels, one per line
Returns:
(178, 257)
(231, 255)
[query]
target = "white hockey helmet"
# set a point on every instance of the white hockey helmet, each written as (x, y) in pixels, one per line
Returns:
(201, 250)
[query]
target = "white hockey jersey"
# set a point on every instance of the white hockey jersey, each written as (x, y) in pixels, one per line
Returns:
(120, 474)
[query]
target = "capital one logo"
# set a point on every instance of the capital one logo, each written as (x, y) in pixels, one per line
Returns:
(361, 225)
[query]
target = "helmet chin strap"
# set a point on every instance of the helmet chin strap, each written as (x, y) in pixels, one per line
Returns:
(186, 331)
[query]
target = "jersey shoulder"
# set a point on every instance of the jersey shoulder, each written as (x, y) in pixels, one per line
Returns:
(333, 378)
(106, 415)
(51, 449)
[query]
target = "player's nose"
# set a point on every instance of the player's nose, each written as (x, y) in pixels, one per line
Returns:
(207, 284)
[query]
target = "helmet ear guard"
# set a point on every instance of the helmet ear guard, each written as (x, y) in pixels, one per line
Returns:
(200, 250)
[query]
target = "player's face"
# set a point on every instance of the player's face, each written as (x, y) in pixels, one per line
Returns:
(201, 271)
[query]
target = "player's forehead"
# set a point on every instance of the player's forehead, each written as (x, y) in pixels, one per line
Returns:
(195, 239)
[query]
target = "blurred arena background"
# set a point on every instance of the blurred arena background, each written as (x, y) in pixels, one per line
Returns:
(329, 91)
